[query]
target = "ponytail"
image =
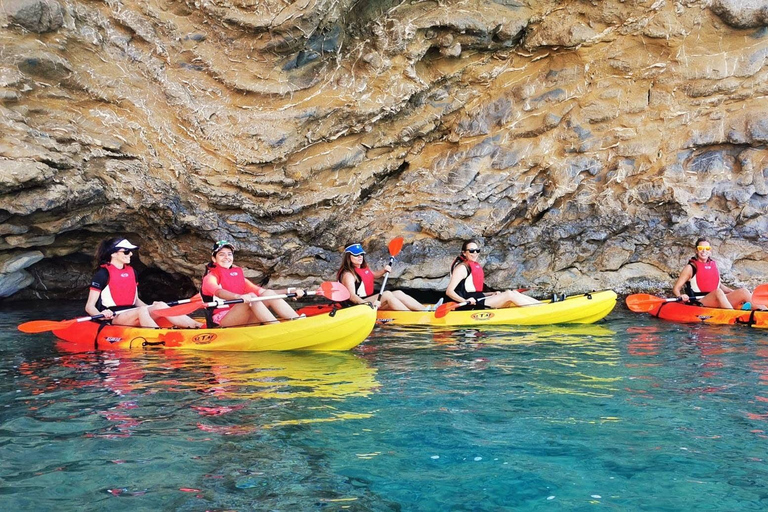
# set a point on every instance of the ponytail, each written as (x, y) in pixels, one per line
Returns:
(104, 251)
(460, 259)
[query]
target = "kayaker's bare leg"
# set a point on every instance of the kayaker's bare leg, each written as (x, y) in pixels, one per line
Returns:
(503, 299)
(139, 316)
(739, 297)
(279, 306)
(262, 313)
(244, 314)
(180, 320)
(408, 301)
(716, 299)
(391, 303)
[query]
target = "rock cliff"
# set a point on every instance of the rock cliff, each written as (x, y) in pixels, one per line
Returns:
(587, 144)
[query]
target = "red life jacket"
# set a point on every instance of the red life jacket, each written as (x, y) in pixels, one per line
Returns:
(474, 282)
(706, 276)
(121, 290)
(365, 286)
(231, 279)
(477, 277)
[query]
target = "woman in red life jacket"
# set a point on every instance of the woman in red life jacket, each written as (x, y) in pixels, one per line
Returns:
(699, 282)
(468, 283)
(357, 276)
(114, 288)
(222, 280)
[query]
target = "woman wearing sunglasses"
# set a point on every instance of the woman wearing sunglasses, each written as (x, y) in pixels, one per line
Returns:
(358, 278)
(467, 283)
(114, 288)
(223, 280)
(699, 283)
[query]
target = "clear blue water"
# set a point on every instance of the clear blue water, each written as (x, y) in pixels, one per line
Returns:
(629, 414)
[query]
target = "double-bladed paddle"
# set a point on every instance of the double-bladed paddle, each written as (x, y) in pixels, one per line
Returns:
(37, 326)
(331, 290)
(643, 302)
(446, 308)
(395, 246)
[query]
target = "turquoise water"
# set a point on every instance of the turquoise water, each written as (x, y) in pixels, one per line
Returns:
(629, 414)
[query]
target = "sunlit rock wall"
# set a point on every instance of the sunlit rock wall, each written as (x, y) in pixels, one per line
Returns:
(587, 144)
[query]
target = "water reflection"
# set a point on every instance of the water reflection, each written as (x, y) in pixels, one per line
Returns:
(715, 367)
(643, 341)
(575, 360)
(213, 385)
(226, 374)
(500, 334)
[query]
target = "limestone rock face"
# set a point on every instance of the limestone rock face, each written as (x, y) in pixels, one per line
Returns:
(585, 144)
(35, 15)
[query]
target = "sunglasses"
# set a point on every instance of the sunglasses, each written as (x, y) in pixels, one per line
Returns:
(703, 248)
(473, 251)
(126, 251)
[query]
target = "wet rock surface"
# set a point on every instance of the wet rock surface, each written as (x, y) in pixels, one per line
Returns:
(586, 144)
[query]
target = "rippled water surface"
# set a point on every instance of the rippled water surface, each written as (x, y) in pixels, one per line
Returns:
(628, 414)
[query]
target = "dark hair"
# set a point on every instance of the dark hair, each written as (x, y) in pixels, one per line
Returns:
(461, 258)
(698, 242)
(105, 250)
(347, 266)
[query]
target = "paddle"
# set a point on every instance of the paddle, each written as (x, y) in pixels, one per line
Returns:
(331, 290)
(395, 246)
(643, 302)
(443, 310)
(37, 326)
(760, 295)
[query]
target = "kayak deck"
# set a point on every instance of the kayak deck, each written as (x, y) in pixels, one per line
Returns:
(342, 329)
(576, 309)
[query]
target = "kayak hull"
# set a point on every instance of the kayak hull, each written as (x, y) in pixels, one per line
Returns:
(686, 313)
(577, 309)
(343, 329)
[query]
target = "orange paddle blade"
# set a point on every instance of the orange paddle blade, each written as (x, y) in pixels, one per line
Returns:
(395, 246)
(180, 307)
(643, 302)
(333, 290)
(36, 326)
(760, 295)
(446, 308)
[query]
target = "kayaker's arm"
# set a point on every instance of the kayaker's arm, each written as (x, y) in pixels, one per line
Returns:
(299, 292)
(349, 282)
(459, 273)
(90, 305)
(685, 275)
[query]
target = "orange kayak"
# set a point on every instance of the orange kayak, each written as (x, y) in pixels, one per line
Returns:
(686, 313)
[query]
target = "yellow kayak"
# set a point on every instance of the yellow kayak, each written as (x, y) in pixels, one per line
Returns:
(576, 309)
(342, 329)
